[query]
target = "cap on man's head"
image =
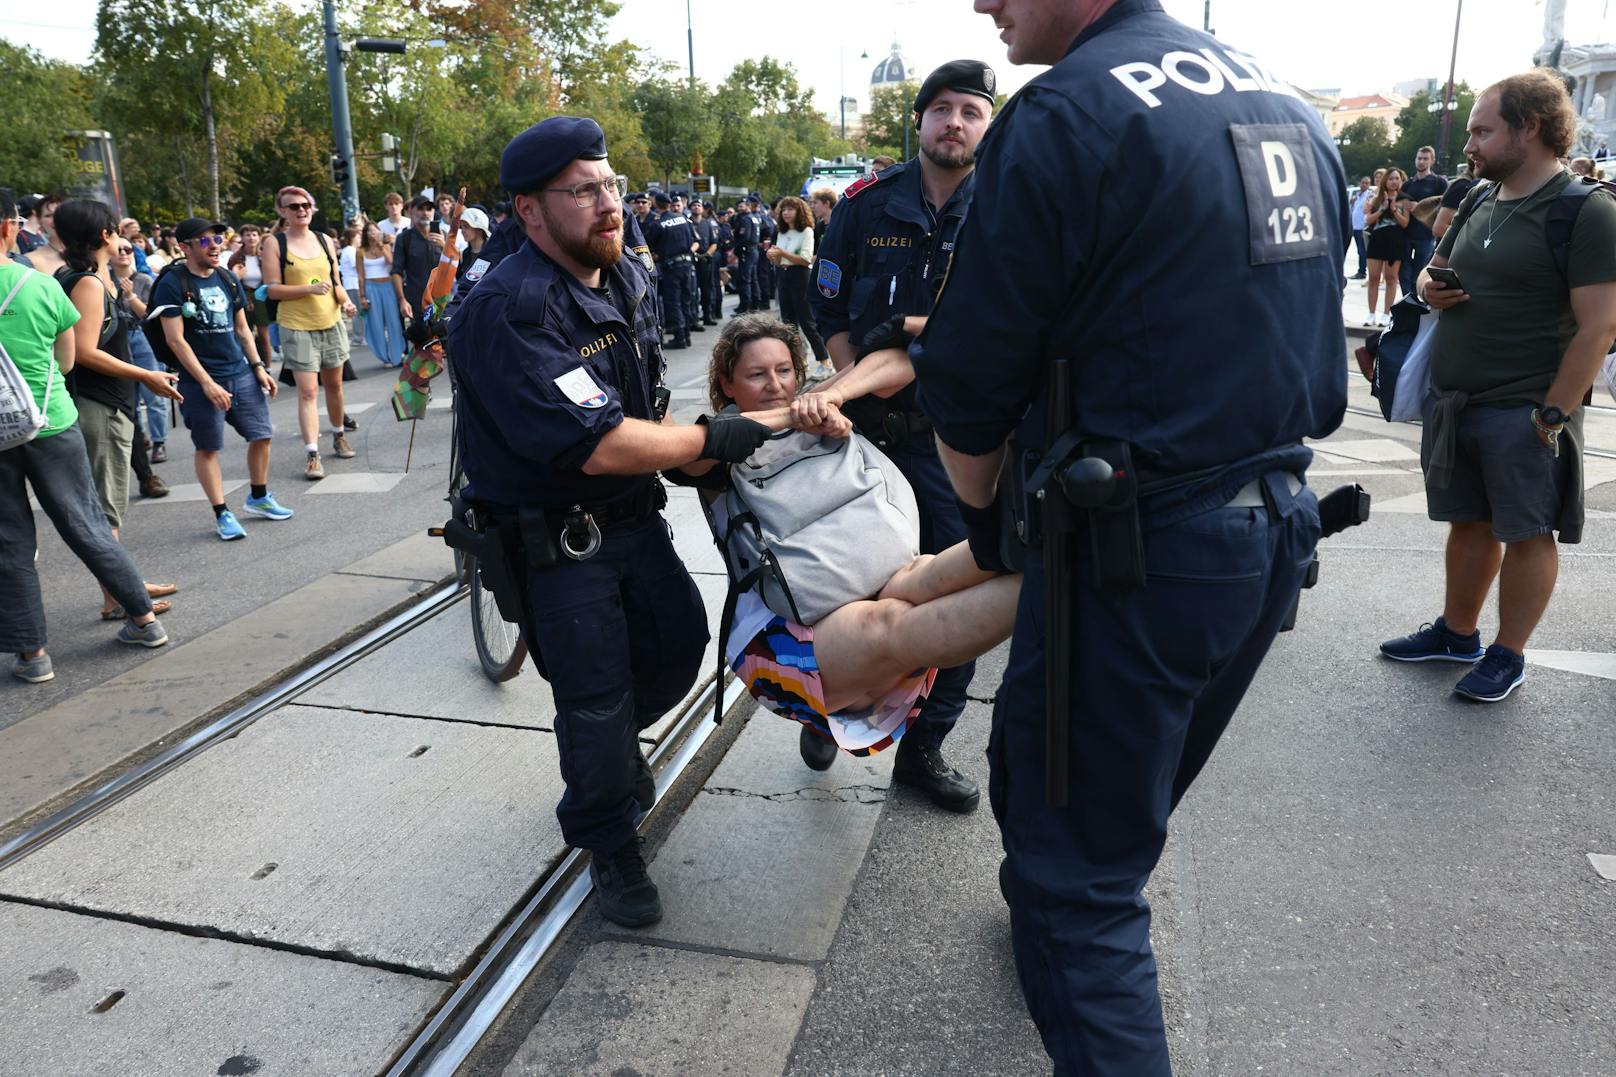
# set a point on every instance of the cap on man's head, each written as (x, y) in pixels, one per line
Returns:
(538, 154)
(661, 198)
(421, 201)
(961, 76)
(191, 227)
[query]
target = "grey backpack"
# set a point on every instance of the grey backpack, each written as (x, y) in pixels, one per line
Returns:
(817, 522)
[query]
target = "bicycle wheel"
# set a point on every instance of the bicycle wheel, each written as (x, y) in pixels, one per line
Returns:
(500, 646)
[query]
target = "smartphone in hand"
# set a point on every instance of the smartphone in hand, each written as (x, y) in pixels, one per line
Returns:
(1446, 276)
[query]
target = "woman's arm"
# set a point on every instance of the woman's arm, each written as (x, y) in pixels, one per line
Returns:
(65, 349)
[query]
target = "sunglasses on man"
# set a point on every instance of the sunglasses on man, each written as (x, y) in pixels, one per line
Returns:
(207, 241)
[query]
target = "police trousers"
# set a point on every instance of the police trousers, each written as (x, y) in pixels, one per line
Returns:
(746, 278)
(677, 287)
(1156, 675)
(620, 638)
(940, 528)
(712, 287)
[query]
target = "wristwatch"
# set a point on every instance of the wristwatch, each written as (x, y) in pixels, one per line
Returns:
(1552, 416)
(255, 366)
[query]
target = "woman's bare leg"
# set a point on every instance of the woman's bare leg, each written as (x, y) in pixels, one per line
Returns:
(865, 648)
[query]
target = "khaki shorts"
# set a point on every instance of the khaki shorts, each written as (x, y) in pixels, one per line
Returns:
(311, 350)
(109, 438)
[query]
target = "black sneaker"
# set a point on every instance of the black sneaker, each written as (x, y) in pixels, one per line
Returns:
(817, 752)
(626, 894)
(1434, 643)
(927, 770)
(1499, 672)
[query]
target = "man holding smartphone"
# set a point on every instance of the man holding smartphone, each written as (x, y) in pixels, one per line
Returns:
(1502, 443)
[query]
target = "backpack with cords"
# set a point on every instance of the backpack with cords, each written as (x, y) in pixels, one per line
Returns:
(790, 511)
(21, 419)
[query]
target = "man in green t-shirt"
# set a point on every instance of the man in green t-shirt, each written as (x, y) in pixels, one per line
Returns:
(1515, 351)
(36, 330)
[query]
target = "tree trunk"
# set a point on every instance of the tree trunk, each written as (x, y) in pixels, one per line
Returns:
(213, 137)
(185, 176)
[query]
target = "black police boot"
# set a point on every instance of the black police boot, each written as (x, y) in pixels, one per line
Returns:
(626, 894)
(644, 782)
(709, 321)
(817, 752)
(683, 342)
(927, 770)
(698, 327)
(676, 344)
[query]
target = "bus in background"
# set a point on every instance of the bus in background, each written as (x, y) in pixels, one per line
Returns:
(838, 174)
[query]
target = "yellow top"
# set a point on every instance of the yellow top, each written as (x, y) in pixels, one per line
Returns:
(311, 311)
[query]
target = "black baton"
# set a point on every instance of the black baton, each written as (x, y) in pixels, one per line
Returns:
(1057, 600)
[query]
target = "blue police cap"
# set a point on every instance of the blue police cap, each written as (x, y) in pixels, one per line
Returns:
(661, 198)
(961, 76)
(536, 155)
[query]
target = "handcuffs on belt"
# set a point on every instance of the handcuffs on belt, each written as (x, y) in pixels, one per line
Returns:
(580, 535)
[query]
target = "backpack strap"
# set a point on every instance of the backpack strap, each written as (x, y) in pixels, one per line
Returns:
(1468, 206)
(1562, 219)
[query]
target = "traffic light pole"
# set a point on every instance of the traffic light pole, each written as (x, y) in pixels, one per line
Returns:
(341, 125)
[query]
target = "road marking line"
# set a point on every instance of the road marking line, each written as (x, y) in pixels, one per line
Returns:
(1371, 450)
(357, 482)
(1589, 663)
(1605, 864)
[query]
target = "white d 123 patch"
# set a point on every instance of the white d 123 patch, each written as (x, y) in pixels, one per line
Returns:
(581, 389)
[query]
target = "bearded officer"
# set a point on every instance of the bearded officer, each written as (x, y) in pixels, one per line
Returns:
(559, 383)
(1199, 318)
(886, 251)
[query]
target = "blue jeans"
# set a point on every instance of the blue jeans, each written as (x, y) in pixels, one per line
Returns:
(384, 326)
(58, 468)
(1358, 243)
(1419, 256)
(1156, 676)
(153, 407)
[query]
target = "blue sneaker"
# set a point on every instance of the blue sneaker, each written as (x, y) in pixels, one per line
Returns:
(1434, 643)
(228, 526)
(267, 507)
(1499, 673)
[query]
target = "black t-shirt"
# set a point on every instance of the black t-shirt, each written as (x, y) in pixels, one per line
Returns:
(414, 258)
(1418, 190)
(1456, 192)
(86, 384)
(211, 331)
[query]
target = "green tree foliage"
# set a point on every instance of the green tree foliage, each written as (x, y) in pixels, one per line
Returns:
(890, 114)
(1364, 147)
(680, 124)
(1418, 126)
(769, 128)
(43, 100)
(188, 70)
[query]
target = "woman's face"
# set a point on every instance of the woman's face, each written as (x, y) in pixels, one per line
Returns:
(764, 377)
(249, 242)
(788, 216)
(1394, 180)
(123, 255)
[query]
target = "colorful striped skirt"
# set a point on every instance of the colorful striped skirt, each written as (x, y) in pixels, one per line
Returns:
(779, 668)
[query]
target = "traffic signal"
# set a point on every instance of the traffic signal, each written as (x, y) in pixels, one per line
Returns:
(339, 171)
(389, 161)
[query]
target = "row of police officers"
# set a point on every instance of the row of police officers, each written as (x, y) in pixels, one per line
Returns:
(1197, 346)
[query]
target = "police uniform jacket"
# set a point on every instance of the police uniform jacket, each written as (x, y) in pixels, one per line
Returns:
(746, 230)
(508, 236)
(545, 368)
(671, 236)
(886, 253)
(768, 231)
(706, 234)
(1163, 212)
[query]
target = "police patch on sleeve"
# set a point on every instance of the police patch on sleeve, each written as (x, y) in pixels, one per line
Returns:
(829, 279)
(581, 389)
(1285, 207)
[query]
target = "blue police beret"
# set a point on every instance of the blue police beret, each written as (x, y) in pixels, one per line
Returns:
(533, 157)
(961, 76)
(661, 198)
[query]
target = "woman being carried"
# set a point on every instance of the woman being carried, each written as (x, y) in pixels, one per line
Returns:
(857, 675)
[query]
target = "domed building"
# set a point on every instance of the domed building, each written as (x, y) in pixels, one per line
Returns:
(895, 69)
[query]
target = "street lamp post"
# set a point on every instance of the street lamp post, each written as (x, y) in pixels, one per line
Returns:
(342, 156)
(1447, 97)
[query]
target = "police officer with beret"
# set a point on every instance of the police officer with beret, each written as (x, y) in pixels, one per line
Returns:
(673, 245)
(886, 251)
(768, 233)
(560, 414)
(1194, 325)
(689, 209)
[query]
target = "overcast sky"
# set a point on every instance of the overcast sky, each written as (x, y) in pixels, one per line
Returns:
(1313, 43)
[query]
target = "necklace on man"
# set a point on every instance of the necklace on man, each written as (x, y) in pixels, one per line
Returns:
(1492, 213)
